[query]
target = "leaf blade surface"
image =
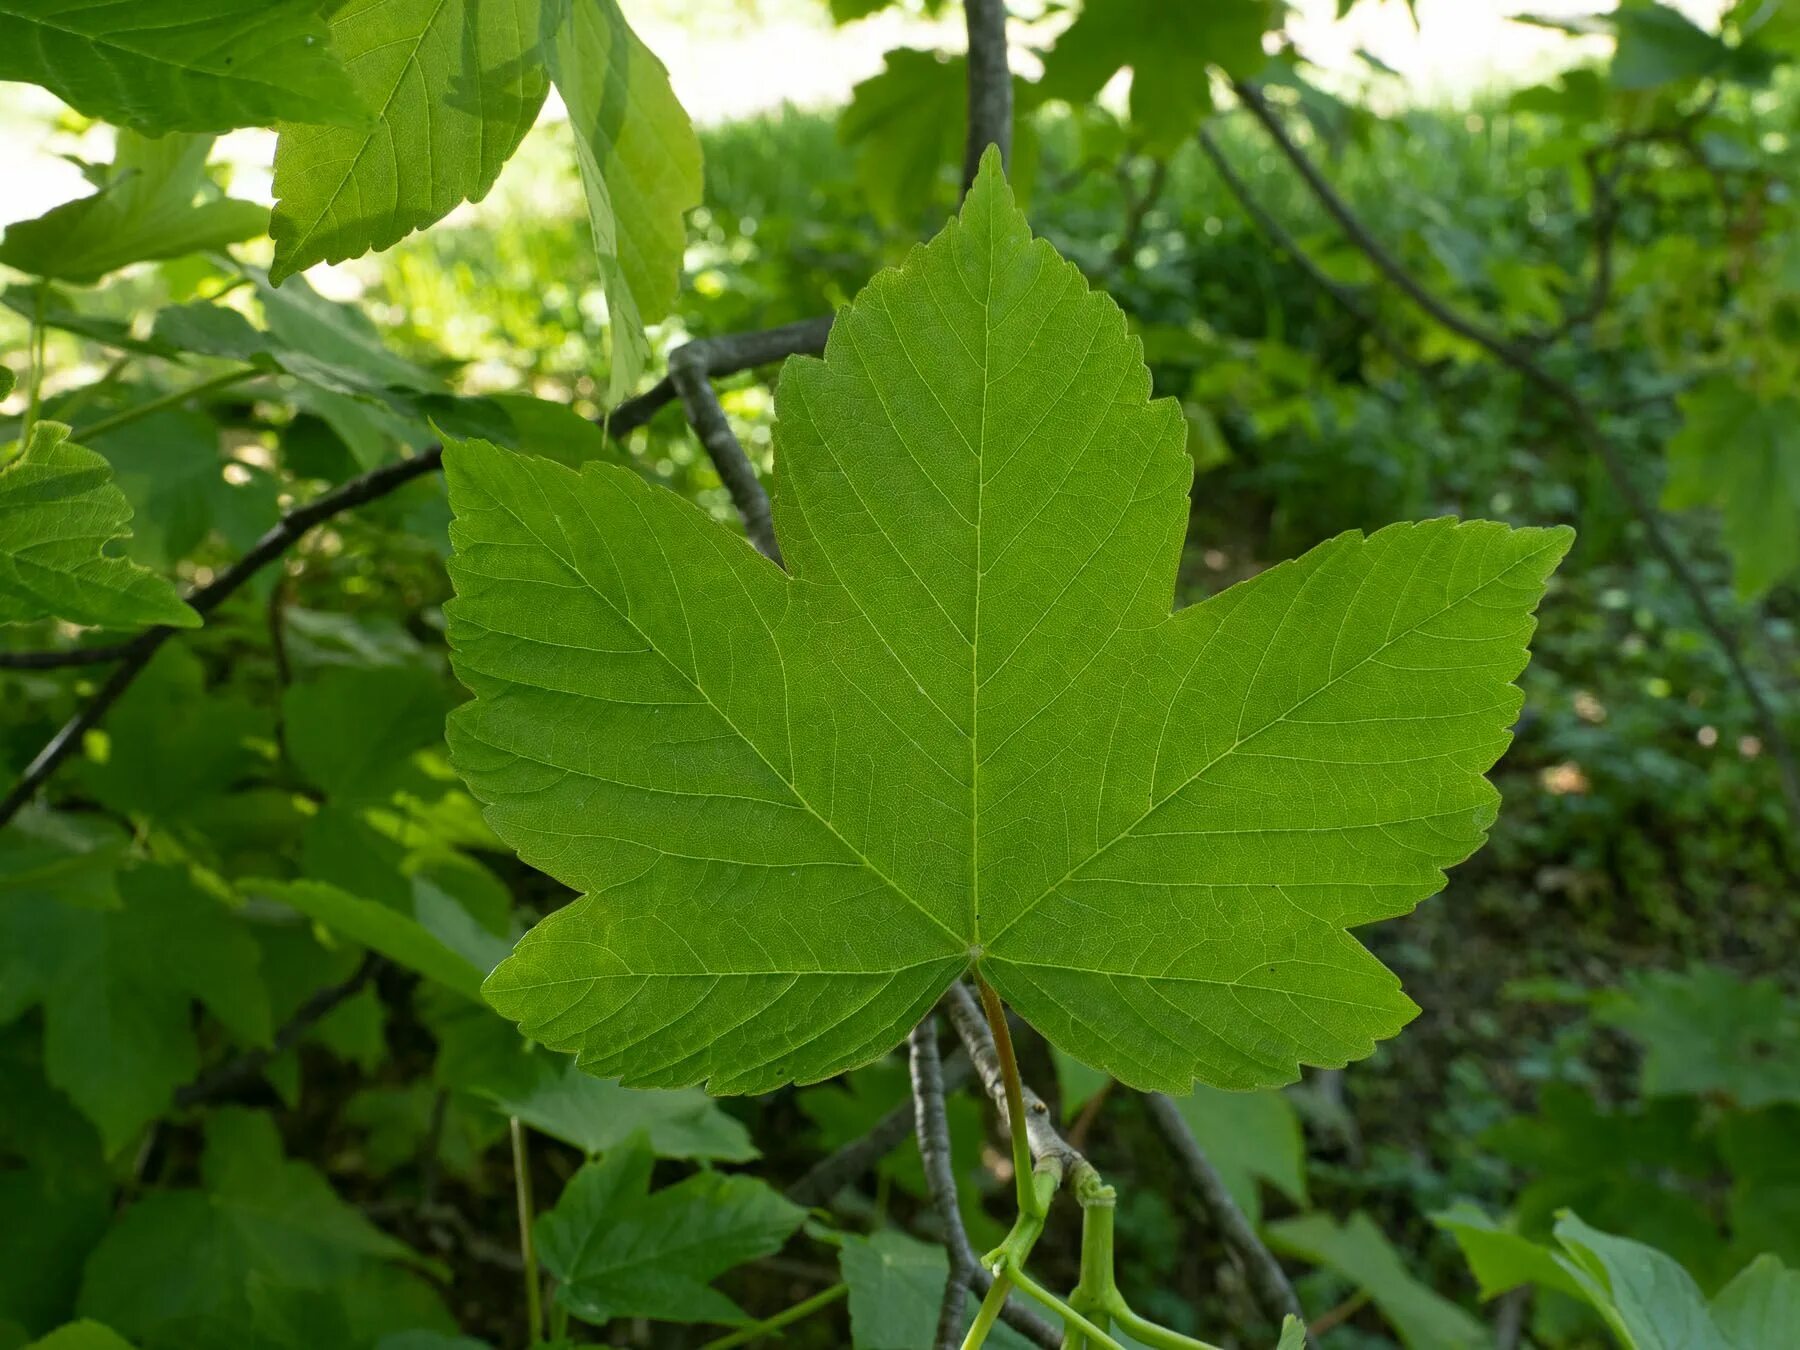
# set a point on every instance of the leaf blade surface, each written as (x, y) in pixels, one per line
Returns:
(965, 727)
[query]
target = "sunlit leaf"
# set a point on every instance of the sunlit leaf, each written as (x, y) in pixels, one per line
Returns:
(640, 169)
(454, 84)
(145, 209)
(804, 802)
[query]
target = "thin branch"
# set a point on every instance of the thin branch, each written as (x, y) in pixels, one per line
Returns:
(729, 354)
(719, 356)
(933, 1129)
(838, 1169)
(1137, 206)
(966, 1270)
(966, 1016)
(1267, 1281)
(227, 1078)
(1277, 234)
(1587, 427)
(735, 470)
(990, 86)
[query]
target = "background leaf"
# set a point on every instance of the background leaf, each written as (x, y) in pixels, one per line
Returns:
(59, 510)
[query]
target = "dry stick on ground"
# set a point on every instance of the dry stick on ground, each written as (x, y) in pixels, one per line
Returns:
(721, 356)
(1587, 426)
(933, 1127)
(1267, 1282)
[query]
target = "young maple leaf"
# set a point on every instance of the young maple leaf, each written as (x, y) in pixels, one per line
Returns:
(964, 728)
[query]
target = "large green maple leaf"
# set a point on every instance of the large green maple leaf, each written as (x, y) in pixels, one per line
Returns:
(965, 729)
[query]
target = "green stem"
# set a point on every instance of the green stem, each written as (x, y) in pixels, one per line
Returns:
(534, 1294)
(1094, 1293)
(34, 380)
(173, 398)
(1015, 1096)
(1152, 1335)
(744, 1335)
(988, 1313)
(1071, 1318)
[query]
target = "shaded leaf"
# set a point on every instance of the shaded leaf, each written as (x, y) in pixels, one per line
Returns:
(1658, 44)
(1169, 49)
(82, 1335)
(381, 928)
(353, 730)
(186, 1267)
(1741, 454)
(596, 1114)
(1709, 1033)
(1760, 1308)
(117, 985)
(896, 1287)
(620, 1250)
(1249, 1137)
(1500, 1258)
(1644, 1296)
(1361, 1253)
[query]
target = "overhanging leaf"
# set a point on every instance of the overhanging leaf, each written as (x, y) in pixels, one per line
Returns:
(179, 65)
(640, 169)
(59, 510)
(455, 84)
(965, 728)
